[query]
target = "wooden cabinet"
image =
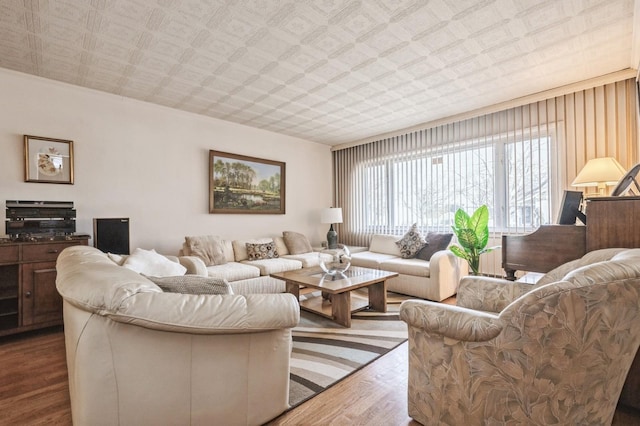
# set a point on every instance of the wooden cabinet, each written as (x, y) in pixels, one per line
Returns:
(28, 295)
(613, 222)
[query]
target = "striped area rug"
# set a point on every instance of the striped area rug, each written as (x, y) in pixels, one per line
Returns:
(325, 352)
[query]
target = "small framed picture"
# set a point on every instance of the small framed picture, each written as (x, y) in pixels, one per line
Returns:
(48, 160)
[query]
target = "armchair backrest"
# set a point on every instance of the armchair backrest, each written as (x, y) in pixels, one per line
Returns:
(558, 273)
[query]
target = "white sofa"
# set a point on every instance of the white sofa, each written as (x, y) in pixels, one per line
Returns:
(436, 279)
(138, 355)
(241, 272)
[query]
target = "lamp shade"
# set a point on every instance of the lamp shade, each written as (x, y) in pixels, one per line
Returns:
(599, 172)
(331, 215)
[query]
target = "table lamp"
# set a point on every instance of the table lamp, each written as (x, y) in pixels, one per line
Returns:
(599, 172)
(331, 215)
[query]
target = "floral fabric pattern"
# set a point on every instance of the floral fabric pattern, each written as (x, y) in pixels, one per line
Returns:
(557, 355)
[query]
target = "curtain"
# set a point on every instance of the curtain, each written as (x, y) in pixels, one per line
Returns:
(517, 161)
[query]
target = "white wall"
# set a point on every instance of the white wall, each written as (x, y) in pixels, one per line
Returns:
(150, 163)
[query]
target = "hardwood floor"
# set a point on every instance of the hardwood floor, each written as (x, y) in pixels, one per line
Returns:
(34, 389)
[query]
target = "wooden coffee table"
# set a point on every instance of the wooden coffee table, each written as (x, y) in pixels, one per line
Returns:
(339, 287)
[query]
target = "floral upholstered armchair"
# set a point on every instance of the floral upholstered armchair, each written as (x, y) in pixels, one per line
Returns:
(557, 352)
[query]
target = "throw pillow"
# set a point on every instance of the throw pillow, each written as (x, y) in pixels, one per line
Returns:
(149, 262)
(258, 251)
(118, 259)
(209, 248)
(296, 242)
(192, 284)
(435, 242)
(411, 242)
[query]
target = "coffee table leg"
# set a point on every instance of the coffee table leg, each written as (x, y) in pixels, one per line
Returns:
(341, 308)
(378, 296)
(294, 289)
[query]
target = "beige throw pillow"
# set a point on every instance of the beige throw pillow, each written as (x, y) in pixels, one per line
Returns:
(209, 248)
(296, 242)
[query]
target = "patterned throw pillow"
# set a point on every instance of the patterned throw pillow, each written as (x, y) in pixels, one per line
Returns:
(262, 251)
(411, 242)
(192, 284)
(435, 242)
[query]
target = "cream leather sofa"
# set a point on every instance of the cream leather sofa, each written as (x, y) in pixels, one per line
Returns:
(139, 356)
(436, 279)
(245, 275)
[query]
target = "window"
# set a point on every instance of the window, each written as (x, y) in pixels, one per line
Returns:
(427, 186)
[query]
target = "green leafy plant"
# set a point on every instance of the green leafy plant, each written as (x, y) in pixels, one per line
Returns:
(473, 235)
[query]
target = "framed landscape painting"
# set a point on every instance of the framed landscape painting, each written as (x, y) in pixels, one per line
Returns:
(245, 185)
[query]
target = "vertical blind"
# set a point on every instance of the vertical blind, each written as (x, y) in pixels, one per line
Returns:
(517, 161)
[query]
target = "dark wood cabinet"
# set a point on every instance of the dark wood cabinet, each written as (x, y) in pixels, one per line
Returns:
(613, 222)
(28, 295)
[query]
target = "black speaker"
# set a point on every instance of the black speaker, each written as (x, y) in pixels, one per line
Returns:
(111, 235)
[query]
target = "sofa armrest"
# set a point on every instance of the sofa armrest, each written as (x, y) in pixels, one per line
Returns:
(208, 314)
(446, 269)
(194, 265)
(488, 294)
(450, 321)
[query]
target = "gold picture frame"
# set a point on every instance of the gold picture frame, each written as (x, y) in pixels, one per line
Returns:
(48, 160)
(239, 184)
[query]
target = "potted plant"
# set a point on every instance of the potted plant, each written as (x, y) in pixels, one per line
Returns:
(473, 235)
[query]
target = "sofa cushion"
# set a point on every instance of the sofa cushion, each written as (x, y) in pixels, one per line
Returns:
(411, 242)
(233, 271)
(209, 248)
(369, 259)
(310, 260)
(296, 242)
(257, 251)
(271, 266)
(384, 244)
(191, 284)
(435, 242)
(149, 262)
(240, 247)
(281, 246)
(260, 285)
(416, 267)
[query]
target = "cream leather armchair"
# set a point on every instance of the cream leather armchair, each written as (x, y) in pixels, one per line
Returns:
(557, 354)
(138, 356)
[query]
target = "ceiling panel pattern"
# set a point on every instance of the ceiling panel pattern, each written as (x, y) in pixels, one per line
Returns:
(330, 71)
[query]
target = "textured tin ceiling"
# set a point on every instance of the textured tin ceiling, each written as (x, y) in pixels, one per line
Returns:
(330, 71)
